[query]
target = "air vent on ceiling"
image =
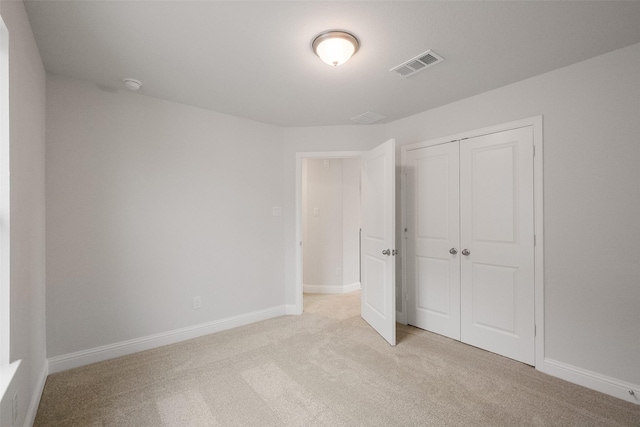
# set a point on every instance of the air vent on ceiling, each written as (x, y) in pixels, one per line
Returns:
(367, 118)
(417, 64)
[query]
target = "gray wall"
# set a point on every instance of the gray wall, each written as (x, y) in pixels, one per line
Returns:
(27, 204)
(591, 200)
(150, 203)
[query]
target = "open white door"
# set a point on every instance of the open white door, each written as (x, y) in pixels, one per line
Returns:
(378, 297)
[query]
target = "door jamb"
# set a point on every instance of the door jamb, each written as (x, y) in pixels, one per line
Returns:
(536, 123)
(299, 260)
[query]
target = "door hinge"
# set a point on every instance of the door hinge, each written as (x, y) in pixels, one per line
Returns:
(534, 240)
(406, 297)
(534, 151)
(535, 330)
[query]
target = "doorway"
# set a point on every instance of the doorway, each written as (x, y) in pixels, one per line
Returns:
(377, 267)
(331, 225)
(303, 160)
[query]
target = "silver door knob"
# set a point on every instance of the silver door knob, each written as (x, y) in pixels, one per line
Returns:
(466, 252)
(386, 252)
(453, 251)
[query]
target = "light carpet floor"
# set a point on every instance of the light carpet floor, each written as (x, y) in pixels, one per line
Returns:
(324, 368)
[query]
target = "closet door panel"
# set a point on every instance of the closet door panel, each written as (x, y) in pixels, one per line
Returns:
(433, 272)
(496, 211)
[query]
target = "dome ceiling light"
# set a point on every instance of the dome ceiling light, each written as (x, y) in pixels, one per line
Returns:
(335, 47)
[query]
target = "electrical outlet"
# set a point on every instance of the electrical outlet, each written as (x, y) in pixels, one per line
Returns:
(197, 303)
(338, 271)
(14, 409)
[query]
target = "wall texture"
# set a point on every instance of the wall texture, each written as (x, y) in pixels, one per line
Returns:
(149, 204)
(27, 204)
(591, 200)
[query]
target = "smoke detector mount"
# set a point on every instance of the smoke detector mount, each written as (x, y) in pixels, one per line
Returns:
(132, 84)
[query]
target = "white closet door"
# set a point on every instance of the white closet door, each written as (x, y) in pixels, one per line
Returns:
(378, 296)
(497, 275)
(433, 235)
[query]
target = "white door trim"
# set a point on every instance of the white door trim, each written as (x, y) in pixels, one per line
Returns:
(299, 157)
(536, 123)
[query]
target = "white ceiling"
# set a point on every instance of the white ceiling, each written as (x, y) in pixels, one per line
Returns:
(254, 59)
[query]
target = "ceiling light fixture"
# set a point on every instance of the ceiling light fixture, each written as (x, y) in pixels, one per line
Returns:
(335, 47)
(132, 84)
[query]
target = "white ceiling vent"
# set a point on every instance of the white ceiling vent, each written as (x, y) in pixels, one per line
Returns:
(368, 118)
(417, 64)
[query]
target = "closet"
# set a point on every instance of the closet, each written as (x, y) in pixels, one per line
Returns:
(470, 241)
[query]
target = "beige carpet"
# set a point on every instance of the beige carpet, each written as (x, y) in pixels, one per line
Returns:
(324, 368)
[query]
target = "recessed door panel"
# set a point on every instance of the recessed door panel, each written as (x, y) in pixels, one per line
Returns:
(375, 295)
(496, 228)
(375, 217)
(433, 223)
(494, 297)
(433, 261)
(494, 193)
(433, 286)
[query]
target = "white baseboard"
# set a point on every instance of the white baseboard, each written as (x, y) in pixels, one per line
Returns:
(99, 354)
(292, 309)
(400, 317)
(30, 418)
(593, 380)
(320, 289)
(352, 287)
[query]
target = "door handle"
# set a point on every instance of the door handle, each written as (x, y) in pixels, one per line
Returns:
(453, 251)
(386, 252)
(466, 252)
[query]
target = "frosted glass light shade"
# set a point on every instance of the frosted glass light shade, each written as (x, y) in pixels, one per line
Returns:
(335, 47)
